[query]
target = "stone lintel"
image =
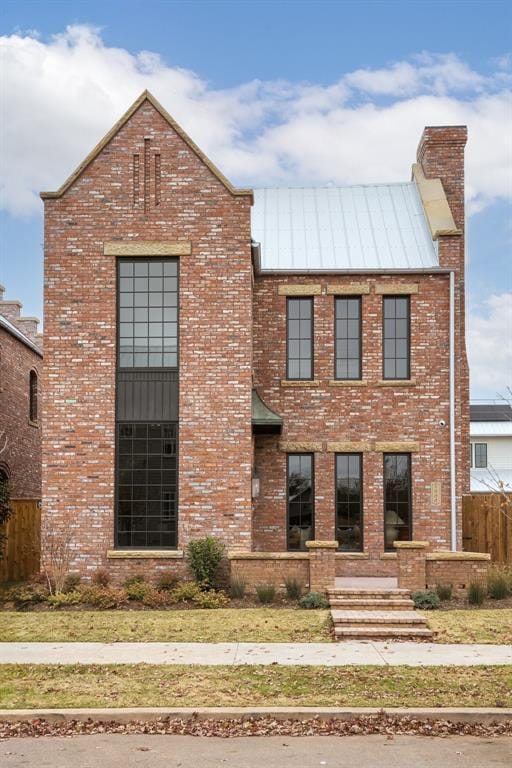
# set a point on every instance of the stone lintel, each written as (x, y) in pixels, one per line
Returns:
(397, 447)
(348, 289)
(147, 248)
(144, 554)
(300, 289)
(348, 447)
(396, 288)
(300, 447)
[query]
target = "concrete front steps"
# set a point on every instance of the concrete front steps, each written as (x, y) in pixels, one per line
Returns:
(374, 614)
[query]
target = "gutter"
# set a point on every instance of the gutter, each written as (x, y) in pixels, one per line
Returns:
(357, 271)
(453, 500)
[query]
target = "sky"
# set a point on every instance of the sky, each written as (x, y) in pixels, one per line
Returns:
(295, 93)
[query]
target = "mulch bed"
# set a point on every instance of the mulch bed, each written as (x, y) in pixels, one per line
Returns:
(259, 726)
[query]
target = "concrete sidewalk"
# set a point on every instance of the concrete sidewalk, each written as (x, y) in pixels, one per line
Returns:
(232, 654)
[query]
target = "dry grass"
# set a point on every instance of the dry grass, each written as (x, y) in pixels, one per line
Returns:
(32, 686)
(471, 626)
(260, 625)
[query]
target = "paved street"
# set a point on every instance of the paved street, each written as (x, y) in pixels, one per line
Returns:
(121, 751)
(309, 654)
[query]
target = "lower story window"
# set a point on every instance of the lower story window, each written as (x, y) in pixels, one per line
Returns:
(301, 520)
(349, 508)
(397, 498)
(146, 485)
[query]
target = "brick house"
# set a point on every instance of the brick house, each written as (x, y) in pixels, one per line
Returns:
(21, 361)
(269, 366)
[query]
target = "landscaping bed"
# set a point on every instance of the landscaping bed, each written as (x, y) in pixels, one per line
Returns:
(48, 686)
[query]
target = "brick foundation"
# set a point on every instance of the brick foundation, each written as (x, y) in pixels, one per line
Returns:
(270, 568)
(460, 569)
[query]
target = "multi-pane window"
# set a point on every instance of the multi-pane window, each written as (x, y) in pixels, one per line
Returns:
(480, 455)
(300, 500)
(33, 407)
(349, 502)
(148, 313)
(348, 337)
(397, 498)
(147, 485)
(299, 338)
(396, 337)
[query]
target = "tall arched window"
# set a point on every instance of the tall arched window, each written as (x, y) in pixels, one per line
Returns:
(33, 396)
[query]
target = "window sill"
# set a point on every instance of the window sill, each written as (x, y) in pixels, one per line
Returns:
(396, 383)
(33, 423)
(388, 556)
(348, 383)
(145, 554)
(300, 383)
(352, 556)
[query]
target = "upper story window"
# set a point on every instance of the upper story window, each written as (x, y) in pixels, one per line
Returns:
(299, 337)
(396, 337)
(348, 337)
(480, 455)
(148, 313)
(32, 400)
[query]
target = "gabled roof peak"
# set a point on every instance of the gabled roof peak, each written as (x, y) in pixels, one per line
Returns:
(144, 96)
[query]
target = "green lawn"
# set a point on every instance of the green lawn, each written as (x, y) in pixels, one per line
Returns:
(471, 626)
(32, 686)
(263, 625)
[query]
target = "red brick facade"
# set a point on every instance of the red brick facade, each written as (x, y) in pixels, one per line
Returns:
(21, 457)
(232, 337)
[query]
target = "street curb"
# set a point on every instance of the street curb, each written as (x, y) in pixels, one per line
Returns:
(481, 715)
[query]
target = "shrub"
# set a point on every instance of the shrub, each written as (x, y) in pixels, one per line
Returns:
(166, 582)
(63, 599)
(237, 589)
(156, 599)
(204, 557)
(426, 599)
(313, 600)
(266, 593)
(26, 595)
(499, 584)
(71, 582)
(138, 590)
(211, 599)
(444, 591)
(476, 593)
(293, 589)
(185, 591)
(102, 597)
(101, 578)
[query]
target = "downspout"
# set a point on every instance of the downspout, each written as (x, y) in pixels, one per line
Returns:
(453, 500)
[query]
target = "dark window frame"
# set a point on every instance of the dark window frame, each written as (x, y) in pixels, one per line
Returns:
(407, 377)
(409, 502)
(336, 339)
(361, 500)
(33, 396)
(479, 448)
(290, 299)
(312, 457)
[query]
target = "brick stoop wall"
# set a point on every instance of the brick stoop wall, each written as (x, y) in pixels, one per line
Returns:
(419, 569)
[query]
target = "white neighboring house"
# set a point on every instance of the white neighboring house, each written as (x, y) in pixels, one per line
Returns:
(491, 447)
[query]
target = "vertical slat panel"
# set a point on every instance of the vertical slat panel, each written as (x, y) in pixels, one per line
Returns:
(22, 552)
(487, 525)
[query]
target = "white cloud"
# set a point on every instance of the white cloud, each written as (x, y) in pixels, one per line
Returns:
(59, 97)
(489, 341)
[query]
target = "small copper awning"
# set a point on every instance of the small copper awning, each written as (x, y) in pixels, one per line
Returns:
(264, 421)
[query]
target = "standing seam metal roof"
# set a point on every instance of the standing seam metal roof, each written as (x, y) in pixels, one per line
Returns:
(379, 226)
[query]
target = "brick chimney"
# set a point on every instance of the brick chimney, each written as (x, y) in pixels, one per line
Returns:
(28, 326)
(441, 153)
(10, 309)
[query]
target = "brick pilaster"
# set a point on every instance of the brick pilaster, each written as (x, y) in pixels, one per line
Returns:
(411, 564)
(322, 565)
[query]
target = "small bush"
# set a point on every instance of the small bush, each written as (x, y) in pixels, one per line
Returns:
(102, 597)
(204, 557)
(185, 591)
(101, 578)
(138, 578)
(426, 599)
(237, 589)
(26, 595)
(266, 593)
(444, 591)
(154, 598)
(211, 599)
(313, 600)
(71, 582)
(166, 582)
(138, 590)
(293, 589)
(63, 599)
(476, 593)
(499, 585)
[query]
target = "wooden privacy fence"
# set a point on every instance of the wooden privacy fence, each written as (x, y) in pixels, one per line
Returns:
(487, 525)
(22, 551)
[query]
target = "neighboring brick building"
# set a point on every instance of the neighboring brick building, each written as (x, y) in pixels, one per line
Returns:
(175, 303)
(20, 424)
